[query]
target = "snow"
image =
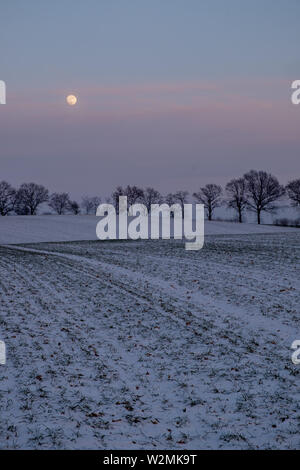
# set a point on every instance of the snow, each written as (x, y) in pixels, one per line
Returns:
(34, 229)
(143, 345)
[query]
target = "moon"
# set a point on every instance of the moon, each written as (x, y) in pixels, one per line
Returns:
(71, 100)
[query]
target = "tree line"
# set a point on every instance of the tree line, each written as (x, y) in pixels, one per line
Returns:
(256, 191)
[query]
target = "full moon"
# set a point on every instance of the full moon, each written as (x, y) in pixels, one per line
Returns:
(71, 100)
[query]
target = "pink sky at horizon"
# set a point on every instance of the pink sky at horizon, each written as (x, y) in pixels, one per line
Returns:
(197, 128)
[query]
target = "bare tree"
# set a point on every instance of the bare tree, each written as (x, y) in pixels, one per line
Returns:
(134, 194)
(7, 198)
(263, 190)
(29, 197)
(211, 196)
(95, 203)
(181, 198)
(74, 207)
(237, 196)
(87, 204)
(119, 191)
(293, 190)
(59, 202)
(90, 204)
(151, 196)
(170, 199)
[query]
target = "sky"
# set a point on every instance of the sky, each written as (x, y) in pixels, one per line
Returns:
(172, 94)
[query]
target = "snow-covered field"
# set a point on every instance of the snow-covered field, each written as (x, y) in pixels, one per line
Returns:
(35, 229)
(135, 345)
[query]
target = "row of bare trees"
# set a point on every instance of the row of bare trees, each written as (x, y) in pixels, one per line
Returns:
(257, 191)
(24, 201)
(27, 199)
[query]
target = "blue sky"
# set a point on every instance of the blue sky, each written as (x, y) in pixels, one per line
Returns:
(170, 93)
(113, 41)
